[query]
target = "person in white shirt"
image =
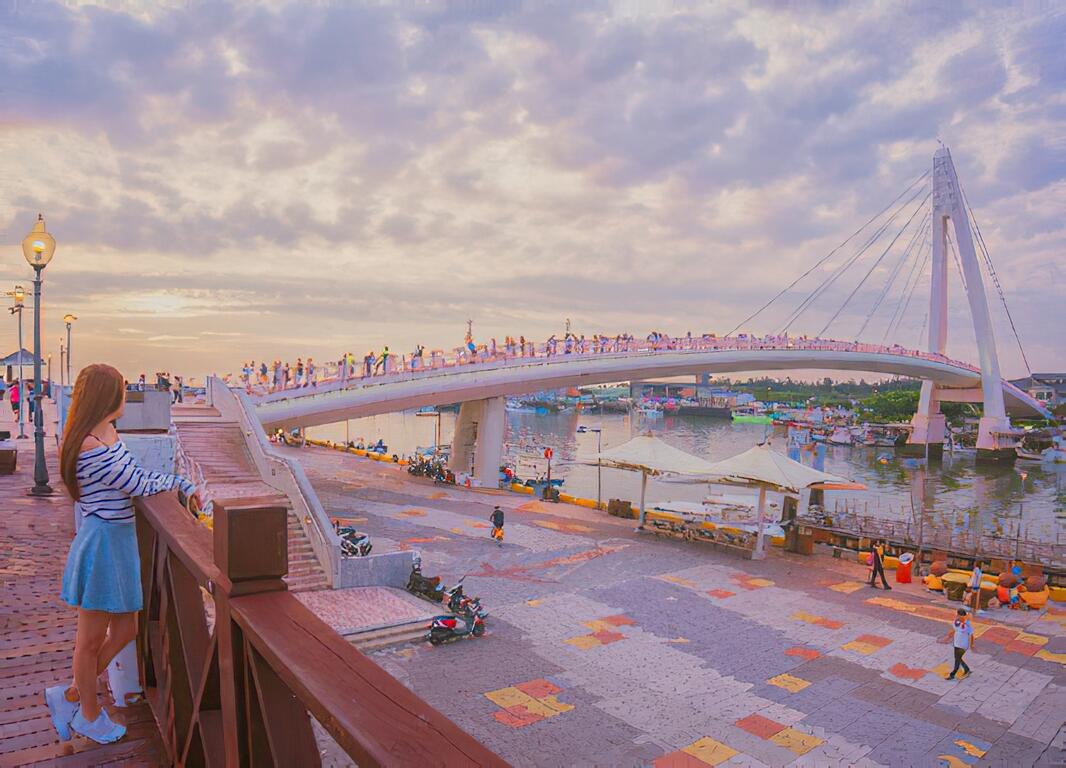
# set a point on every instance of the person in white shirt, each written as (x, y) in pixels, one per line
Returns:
(961, 635)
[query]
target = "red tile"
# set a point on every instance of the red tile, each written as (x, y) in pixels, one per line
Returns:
(875, 640)
(606, 637)
(760, 726)
(829, 623)
(803, 653)
(720, 593)
(998, 635)
(910, 673)
(619, 620)
(538, 689)
(679, 759)
(517, 716)
(1022, 647)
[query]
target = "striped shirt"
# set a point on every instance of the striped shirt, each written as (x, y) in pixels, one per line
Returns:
(109, 477)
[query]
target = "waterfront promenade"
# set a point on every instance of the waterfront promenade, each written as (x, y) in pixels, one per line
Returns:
(37, 630)
(610, 648)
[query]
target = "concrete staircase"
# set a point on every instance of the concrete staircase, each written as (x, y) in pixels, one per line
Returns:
(217, 447)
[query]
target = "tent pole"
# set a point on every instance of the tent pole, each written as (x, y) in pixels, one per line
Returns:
(760, 542)
(643, 489)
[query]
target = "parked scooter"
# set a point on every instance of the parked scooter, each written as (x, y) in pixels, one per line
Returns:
(430, 588)
(446, 629)
(456, 598)
(353, 543)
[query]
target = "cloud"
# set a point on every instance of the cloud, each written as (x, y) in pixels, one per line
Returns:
(292, 179)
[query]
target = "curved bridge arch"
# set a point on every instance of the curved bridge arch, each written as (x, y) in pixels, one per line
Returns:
(336, 401)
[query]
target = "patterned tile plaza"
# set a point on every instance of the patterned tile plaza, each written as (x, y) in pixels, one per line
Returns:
(607, 648)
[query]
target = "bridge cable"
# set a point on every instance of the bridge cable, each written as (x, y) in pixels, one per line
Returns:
(917, 269)
(869, 272)
(956, 259)
(841, 269)
(903, 259)
(825, 258)
(995, 277)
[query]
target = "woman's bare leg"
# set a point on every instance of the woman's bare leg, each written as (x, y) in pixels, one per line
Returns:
(121, 630)
(90, 638)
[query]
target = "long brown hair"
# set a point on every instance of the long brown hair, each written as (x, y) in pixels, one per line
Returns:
(98, 392)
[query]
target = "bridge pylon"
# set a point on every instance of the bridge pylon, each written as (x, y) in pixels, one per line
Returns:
(995, 439)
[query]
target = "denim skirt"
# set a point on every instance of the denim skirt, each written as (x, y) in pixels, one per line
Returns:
(103, 570)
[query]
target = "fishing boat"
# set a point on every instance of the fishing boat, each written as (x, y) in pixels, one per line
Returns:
(650, 411)
(747, 414)
(840, 436)
(1053, 454)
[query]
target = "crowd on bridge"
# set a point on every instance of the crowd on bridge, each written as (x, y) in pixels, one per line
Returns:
(281, 375)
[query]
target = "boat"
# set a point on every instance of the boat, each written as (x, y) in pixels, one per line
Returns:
(840, 436)
(650, 412)
(1053, 454)
(748, 415)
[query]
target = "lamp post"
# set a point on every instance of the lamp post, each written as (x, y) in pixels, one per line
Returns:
(69, 320)
(38, 247)
(19, 295)
(599, 464)
(62, 350)
(49, 371)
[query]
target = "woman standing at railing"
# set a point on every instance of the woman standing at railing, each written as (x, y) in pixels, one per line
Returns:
(102, 578)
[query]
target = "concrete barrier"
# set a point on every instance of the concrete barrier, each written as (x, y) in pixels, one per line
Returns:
(390, 569)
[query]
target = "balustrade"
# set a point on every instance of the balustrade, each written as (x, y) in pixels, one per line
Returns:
(234, 666)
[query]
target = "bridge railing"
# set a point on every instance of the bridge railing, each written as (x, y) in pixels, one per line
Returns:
(508, 354)
(235, 668)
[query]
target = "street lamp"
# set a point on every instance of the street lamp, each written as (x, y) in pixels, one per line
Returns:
(62, 351)
(19, 295)
(599, 464)
(38, 247)
(69, 320)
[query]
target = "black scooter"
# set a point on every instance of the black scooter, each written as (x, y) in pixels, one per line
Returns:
(353, 543)
(430, 588)
(446, 629)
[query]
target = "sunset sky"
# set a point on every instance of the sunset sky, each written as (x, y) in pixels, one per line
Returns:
(236, 181)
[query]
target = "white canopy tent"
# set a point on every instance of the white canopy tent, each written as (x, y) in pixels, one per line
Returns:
(651, 457)
(764, 468)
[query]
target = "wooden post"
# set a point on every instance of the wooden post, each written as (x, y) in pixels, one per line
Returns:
(251, 549)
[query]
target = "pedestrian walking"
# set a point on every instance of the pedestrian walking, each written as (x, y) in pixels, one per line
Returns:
(16, 388)
(877, 565)
(961, 635)
(497, 524)
(382, 363)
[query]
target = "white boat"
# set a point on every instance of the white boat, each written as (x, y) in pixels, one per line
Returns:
(840, 436)
(650, 412)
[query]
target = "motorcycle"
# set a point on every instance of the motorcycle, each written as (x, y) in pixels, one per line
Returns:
(353, 543)
(446, 629)
(456, 599)
(430, 588)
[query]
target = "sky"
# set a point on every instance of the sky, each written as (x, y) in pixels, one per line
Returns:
(233, 181)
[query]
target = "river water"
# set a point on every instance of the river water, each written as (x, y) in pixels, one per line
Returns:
(1028, 497)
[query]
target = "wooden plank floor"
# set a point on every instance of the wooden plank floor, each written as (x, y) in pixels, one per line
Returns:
(37, 632)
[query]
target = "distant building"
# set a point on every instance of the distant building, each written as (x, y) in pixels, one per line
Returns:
(1048, 388)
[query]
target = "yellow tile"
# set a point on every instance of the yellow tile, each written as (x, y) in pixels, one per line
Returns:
(679, 580)
(891, 602)
(970, 748)
(539, 707)
(810, 618)
(509, 697)
(796, 741)
(847, 587)
(760, 582)
(680, 640)
(709, 751)
(554, 704)
(1059, 658)
(942, 669)
(789, 683)
(864, 648)
(600, 626)
(952, 762)
(584, 642)
(534, 602)
(1027, 637)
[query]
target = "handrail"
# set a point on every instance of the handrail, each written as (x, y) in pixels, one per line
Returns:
(240, 691)
(313, 518)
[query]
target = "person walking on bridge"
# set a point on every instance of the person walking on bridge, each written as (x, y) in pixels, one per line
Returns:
(382, 363)
(497, 524)
(877, 564)
(102, 578)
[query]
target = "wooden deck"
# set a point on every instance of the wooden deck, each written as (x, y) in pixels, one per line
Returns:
(37, 633)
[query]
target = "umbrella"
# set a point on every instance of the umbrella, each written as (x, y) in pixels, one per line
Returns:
(651, 456)
(765, 468)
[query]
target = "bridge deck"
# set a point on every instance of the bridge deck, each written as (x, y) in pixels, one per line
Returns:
(37, 632)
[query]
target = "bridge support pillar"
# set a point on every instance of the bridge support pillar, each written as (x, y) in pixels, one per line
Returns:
(928, 426)
(477, 446)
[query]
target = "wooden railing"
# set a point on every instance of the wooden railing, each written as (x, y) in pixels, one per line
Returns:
(234, 666)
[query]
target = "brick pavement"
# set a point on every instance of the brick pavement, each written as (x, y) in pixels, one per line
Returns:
(610, 648)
